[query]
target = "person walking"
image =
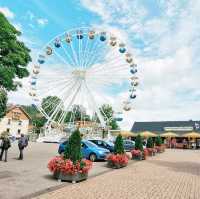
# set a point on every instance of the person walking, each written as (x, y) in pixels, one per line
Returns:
(22, 143)
(5, 145)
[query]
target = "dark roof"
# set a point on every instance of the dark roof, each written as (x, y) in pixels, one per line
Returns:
(160, 126)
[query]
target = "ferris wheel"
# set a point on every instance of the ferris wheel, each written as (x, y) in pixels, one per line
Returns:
(85, 67)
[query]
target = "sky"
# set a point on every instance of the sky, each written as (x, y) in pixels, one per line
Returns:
(163, 34)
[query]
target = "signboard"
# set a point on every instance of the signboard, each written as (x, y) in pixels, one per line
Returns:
(185, 128)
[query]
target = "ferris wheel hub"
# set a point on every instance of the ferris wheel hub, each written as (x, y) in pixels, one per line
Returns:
(79, 74)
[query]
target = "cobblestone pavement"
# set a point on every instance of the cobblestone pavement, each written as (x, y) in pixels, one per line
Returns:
(172, 175)
(23, 178)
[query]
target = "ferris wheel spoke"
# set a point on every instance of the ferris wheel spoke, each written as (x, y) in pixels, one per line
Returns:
(62, 59)
(91, 50)
(68, 56)
(97, 56)
(66, 95)
(84, 52)
(75, 57)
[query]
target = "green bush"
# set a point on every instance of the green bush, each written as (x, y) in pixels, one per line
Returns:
(138, 143)
(158, 141)
(150, 142)
(73, 147)
(119, 146)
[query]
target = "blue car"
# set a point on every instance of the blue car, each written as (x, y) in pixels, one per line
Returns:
(89, 150)
(103, 144)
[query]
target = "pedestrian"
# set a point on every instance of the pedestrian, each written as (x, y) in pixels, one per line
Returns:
(22, 143)
(5, 145)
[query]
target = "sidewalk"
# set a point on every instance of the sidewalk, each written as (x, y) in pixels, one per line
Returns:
(172, 175)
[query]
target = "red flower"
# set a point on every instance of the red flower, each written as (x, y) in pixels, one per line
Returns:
(136, 153)
(121, 159)
(66, 166)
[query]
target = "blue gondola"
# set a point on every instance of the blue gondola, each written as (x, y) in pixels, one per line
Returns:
(33, 83)
(41, 59)
(57, 43)
(122, 50)
(133, 96)
(79, 34)
(103, 36)
(133, 71)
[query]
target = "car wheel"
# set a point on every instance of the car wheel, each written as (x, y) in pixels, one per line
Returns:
(92, 157)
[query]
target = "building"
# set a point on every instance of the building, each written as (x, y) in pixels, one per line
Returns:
(15, 122)
(179, 127)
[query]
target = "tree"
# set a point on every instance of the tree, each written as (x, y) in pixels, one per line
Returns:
(73, 148)
(107, 111)
(138, 143)
(119, 146)
(14, 56)
(158, 141)
(150, 142)
(3, 102)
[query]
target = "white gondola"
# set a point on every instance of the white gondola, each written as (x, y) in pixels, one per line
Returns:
(129, 58)
(127, 107)
(118, 116)
(68, 38)
(91, 34)
(134, 83)
(36, 71)
(134, 78)
(49, 50)
(113, 41)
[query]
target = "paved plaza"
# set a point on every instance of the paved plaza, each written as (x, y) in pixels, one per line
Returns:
(174, 174)
(31, 177)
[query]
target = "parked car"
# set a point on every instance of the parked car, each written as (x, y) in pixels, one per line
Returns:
(103, 144)
(128, 145)
(89, 150)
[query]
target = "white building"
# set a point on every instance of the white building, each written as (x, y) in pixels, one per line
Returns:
(15, 122)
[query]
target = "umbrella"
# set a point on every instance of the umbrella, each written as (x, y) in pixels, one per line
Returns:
(147, 134)
(169, 134)
(128, 134)
(192, 135)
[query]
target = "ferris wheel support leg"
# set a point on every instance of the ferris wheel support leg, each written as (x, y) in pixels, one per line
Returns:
(95, 107)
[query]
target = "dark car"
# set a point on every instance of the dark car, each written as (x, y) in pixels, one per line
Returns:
(103, 144)
(129, 145)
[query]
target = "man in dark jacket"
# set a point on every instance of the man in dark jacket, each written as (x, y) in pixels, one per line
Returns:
(4, 148)
(22, 143)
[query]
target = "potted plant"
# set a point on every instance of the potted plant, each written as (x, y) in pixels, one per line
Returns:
(159, 145)
(138, 153)
(150, 146)
(71, 167)
(119, 158)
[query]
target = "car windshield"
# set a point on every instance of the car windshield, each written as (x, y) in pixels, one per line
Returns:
(90, 144)
(109, 143)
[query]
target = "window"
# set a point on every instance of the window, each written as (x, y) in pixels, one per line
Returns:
(9, 121)
(20, 123)
(16, 115)
(19, 131)
(8, 130)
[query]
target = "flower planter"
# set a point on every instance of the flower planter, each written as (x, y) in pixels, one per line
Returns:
(77, 177)
(114, 165)
(117, 161)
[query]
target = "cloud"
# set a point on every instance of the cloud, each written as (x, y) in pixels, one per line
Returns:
(7, 12)
(166, 43)
(42, 21)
